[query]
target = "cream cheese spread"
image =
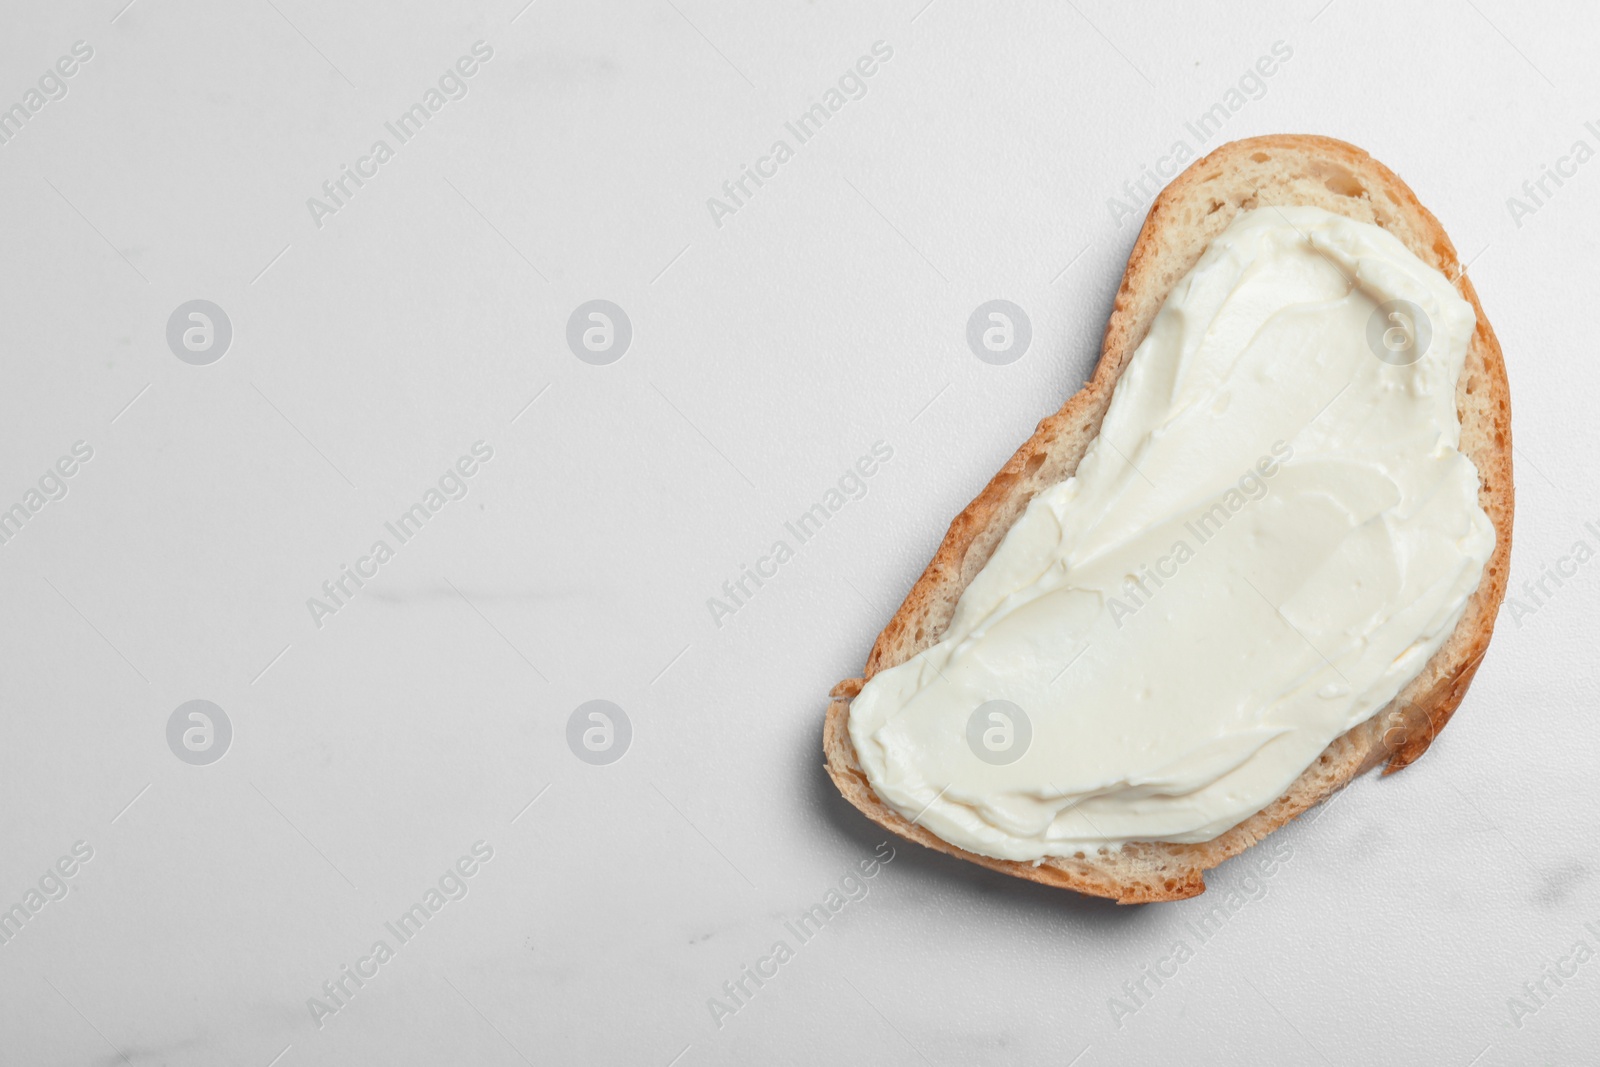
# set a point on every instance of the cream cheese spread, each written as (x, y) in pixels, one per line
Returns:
(1271, 535)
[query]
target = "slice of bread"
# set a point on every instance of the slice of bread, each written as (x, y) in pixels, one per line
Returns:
(1263, 171)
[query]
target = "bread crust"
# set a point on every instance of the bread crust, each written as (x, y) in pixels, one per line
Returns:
(1276, 170)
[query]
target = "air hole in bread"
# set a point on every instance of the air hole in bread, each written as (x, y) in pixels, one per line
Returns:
(1247, 204)
(1338, 180)
(1216, 206)
(1260, 157)
(1035, 461)
(1345, 185)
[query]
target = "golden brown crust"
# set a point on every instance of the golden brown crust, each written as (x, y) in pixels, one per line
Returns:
(1200, 202)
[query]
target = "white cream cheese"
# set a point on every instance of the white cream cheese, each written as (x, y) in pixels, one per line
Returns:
(1271, 535)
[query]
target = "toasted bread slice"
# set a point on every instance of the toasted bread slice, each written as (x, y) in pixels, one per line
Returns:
(1262, 171)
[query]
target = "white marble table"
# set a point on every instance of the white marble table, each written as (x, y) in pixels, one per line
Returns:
(389, 362)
